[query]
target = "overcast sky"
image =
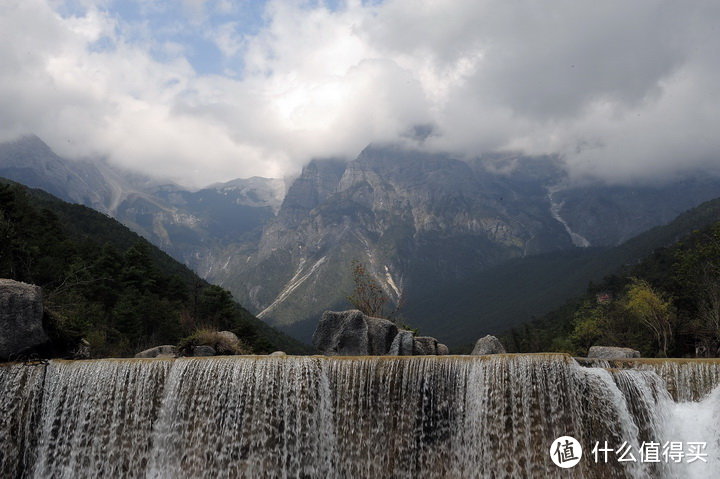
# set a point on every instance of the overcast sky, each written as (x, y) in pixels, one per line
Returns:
(209, 90)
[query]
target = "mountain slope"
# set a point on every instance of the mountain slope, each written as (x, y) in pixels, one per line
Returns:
(426, 226)
(465, 246)
(189, 225)
(519, 290)
(683, 270)
(109, 285)
(412, 218)
(610, 215)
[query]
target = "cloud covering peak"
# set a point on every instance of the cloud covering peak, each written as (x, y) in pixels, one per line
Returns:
(208, 90)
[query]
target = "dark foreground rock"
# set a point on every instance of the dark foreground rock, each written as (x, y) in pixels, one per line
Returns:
(21, 319)
(612, 352)
(351, 333)
(488, 345)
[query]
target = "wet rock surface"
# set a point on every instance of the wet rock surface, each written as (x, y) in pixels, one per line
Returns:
(21, 319)
(488, 345)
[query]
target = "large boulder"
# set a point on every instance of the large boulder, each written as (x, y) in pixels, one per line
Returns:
(165, 351)
(403, 344)
(488, 345)
(21, 319)
(229, 336)
(442, 350)
(425, 346)
(351, 333)
(612, 352)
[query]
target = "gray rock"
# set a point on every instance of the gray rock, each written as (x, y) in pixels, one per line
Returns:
(165, 351)
(442, 350)
(612, 352)
(403, 344)
(229, 336)
(341, 333)
(488, 345)
(425, 346)
(351, 333)
(278, 353)
(21, 318)
(203, 351)
(381, 333)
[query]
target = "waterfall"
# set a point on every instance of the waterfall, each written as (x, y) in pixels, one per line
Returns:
(20, 391)
(394, 417)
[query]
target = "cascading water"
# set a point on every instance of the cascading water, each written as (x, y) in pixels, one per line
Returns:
(20, 390)
(395, 417)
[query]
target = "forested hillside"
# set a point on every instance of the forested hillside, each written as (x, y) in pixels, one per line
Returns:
(520, 290)
(666, 305)
(106, 284)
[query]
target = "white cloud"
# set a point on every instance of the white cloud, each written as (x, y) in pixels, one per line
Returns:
(226, 38)
(623, 89)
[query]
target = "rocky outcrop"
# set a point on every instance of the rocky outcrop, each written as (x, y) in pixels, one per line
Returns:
(488, 345)
(21, 319)
(442, 350)
(612, 352)
(278, 353)
(351, 333)
(165, 351)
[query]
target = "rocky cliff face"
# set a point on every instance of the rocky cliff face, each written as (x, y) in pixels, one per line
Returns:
(413, 219)
(609, 215)
(418, 221)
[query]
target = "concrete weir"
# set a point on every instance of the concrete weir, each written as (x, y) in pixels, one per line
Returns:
(375, 417)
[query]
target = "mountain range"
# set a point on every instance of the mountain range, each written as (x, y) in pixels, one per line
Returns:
(462, 245)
